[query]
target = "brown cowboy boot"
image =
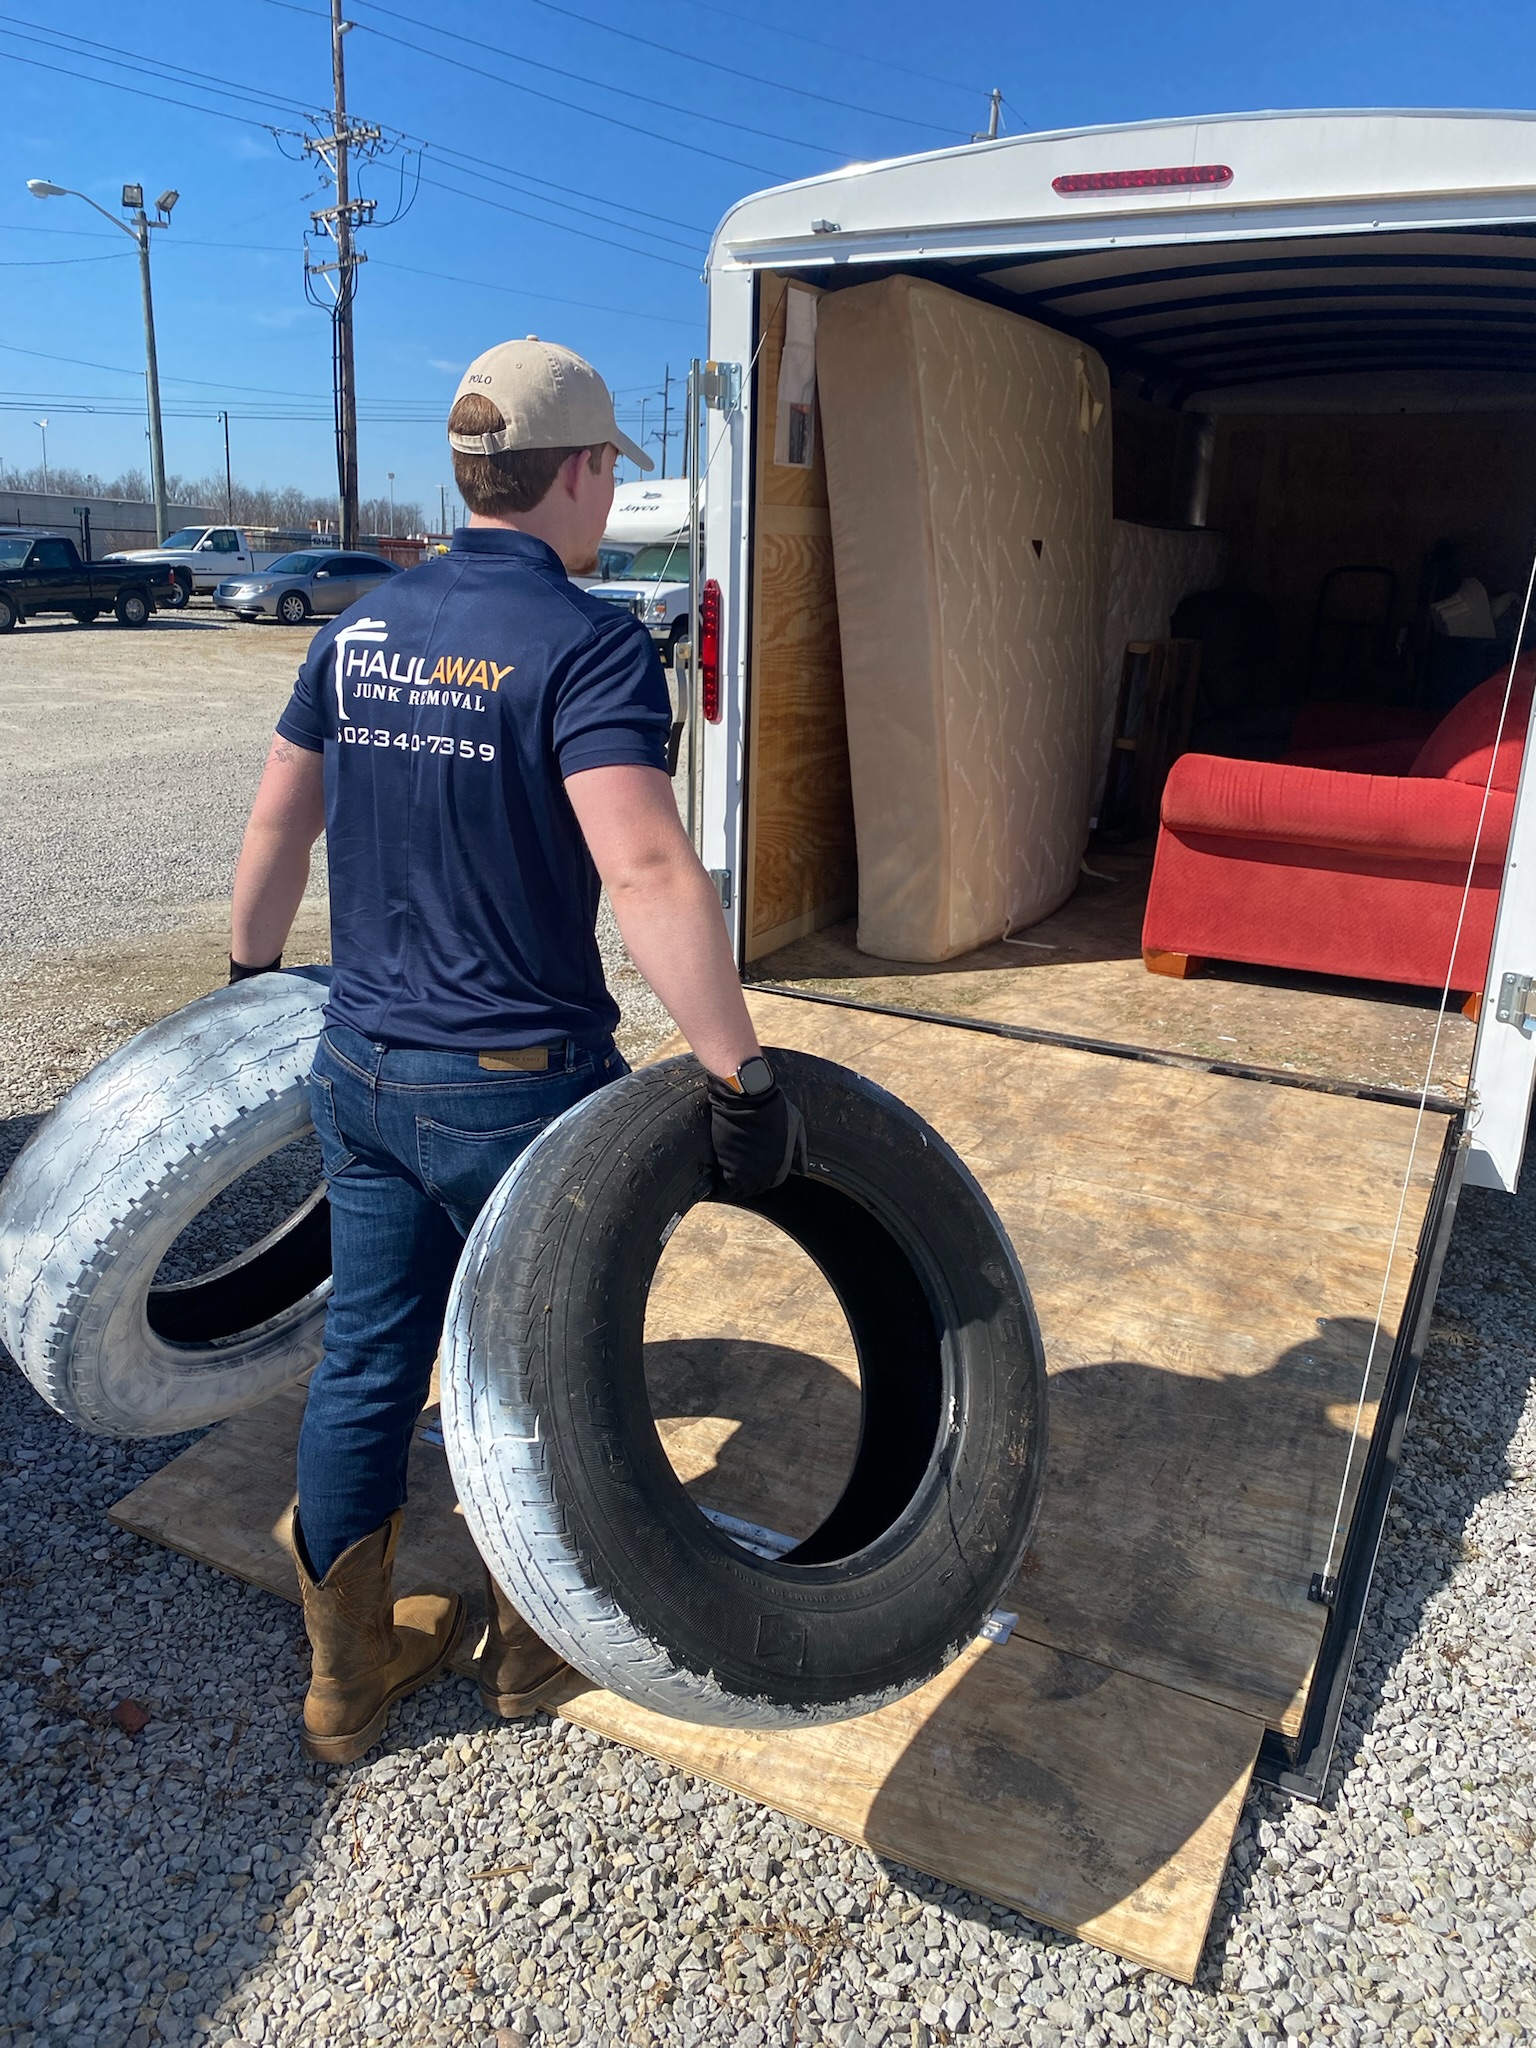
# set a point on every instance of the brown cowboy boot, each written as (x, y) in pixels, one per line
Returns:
(518, 1670)
(368, 1649)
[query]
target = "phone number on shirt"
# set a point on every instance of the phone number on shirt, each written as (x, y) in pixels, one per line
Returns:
(416, 742)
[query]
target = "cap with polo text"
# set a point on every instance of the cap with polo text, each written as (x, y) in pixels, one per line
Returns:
(547, 398)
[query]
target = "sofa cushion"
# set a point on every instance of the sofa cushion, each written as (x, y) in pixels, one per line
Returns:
(1461, 748)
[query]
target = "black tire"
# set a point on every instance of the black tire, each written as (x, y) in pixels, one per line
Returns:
(86, 614)
(179, 596)
(562, 1475)
(10, 613)
(293, 608)
(107, 1183)
(133, 607)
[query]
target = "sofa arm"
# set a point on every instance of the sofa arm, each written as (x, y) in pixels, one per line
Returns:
(1385, 817)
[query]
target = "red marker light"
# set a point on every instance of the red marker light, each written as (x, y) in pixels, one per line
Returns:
(1140, 181)
(709, 649)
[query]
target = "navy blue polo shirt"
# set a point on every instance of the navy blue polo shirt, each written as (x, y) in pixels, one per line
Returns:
(450, 705)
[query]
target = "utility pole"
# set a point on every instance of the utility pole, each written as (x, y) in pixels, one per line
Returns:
(442, 508)
(666, 415)
(340, 223)
(229, 480)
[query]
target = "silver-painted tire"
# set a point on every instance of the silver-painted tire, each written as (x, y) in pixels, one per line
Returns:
(109, 1180)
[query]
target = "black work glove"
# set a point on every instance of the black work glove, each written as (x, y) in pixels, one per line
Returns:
(759, 1140)
(238, 972)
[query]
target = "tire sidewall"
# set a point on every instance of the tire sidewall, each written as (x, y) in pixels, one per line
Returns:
(800, 1641)
(132, 608)
(292, 608)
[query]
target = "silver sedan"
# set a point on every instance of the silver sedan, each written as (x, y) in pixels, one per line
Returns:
(296, 585)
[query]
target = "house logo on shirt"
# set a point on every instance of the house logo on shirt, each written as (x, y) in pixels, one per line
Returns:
(362, 666)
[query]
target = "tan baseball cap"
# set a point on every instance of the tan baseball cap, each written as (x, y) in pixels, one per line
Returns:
(548, 397)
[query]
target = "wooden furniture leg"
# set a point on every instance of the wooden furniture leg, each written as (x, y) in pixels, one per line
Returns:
(1178, 966)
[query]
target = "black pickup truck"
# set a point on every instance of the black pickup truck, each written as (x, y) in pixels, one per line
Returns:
(46, 574)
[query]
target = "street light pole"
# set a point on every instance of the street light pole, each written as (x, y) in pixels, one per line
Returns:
(133, 202)
(229, 480)
(42, 426)
(391, 475)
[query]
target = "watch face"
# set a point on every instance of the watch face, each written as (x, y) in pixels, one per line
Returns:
(755, 1076)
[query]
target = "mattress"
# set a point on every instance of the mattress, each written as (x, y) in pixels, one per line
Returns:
(1151, 568)
(968, 478)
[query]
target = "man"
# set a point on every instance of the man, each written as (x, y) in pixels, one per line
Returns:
(481, 741)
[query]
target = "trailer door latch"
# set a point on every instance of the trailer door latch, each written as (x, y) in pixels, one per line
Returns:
(1515, 1001)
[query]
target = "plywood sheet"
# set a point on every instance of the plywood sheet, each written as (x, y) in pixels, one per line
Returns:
(800, 849)
(1099, 1804)
(1206, 1257)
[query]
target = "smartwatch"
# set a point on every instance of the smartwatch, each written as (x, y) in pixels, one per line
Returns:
(752, 1077)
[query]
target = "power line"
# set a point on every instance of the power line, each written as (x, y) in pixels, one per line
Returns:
(730, 70)
(468, 169)
(138, 92)
(652, 133)
(64, 44)
(549, 298)
(629, 248)
(774, 28)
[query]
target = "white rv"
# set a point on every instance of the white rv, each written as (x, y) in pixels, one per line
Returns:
(1160, 445)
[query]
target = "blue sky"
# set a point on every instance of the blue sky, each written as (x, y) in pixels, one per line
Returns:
(573, 160)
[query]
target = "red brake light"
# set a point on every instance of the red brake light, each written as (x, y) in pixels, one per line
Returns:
(1136, 181)
(709, 649)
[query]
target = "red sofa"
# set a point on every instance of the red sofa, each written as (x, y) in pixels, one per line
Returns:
(1350, 856)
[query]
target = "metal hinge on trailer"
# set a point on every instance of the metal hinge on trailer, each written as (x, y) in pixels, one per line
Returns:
(1515, 1001)
(721, 385)
(721, 877)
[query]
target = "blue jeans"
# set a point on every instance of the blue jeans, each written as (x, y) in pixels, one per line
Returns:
(413, 1144)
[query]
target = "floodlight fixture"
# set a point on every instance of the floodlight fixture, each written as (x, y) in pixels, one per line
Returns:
(41, 189)
(166, 201)
(133, 195)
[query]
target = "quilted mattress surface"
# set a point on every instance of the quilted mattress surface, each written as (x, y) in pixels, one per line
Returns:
(968, 474)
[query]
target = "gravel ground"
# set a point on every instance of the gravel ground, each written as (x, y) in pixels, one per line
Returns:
(489, 1885)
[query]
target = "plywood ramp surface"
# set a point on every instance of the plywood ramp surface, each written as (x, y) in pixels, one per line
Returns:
(1096, 1803)
(1206, 1256)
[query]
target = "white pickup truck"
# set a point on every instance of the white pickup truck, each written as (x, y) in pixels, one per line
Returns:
(655, 588)
(199, 557)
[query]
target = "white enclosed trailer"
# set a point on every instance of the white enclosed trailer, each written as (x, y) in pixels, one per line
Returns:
(1251, 351)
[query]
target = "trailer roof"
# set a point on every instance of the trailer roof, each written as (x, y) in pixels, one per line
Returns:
(1397, 249)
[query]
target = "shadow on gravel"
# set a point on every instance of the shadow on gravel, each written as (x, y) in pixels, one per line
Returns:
(1472, 1391)
(14, 1133)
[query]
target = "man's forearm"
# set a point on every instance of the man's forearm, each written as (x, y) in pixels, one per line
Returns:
(270, 880)
(272, 872)
(676, 936)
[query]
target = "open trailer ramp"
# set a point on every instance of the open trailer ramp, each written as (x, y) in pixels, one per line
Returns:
(1207, 1255)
